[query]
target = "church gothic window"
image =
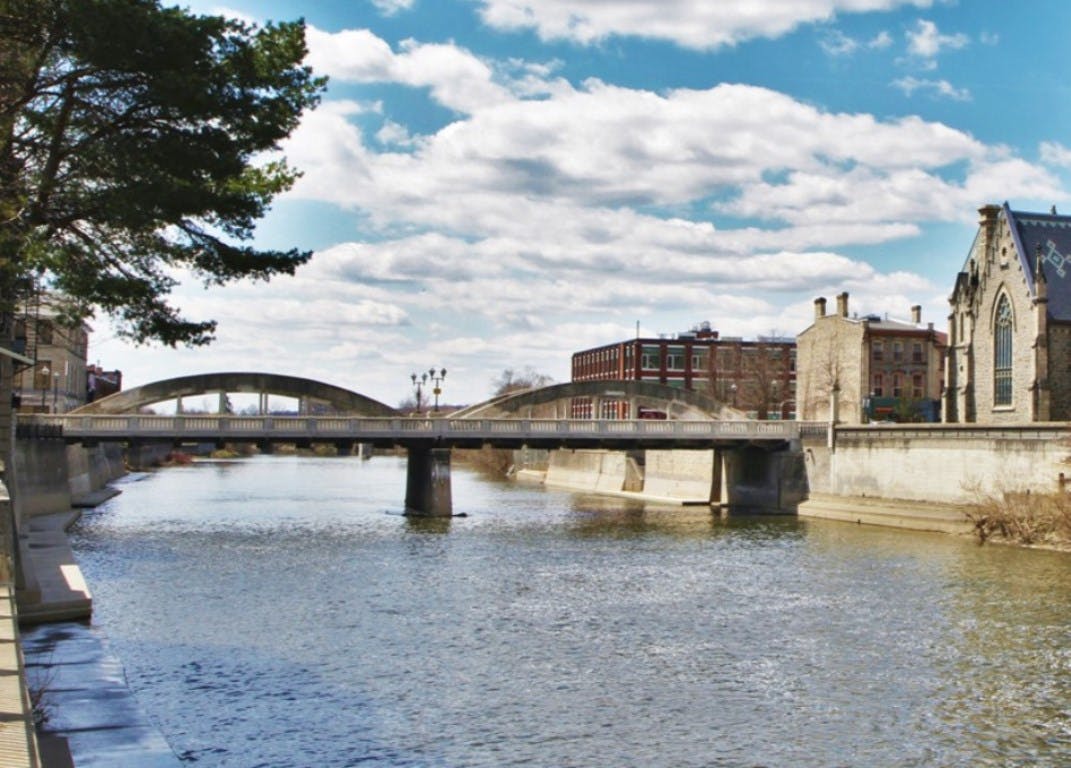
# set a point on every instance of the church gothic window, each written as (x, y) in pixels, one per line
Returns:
(1002, 353)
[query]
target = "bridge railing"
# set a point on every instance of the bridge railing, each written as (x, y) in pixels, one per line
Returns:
(235, 427)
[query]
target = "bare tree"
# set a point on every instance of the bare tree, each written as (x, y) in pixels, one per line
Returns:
(823, 377)
(765, 382)
(511, 380)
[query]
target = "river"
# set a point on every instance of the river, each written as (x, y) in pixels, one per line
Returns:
(278, 611)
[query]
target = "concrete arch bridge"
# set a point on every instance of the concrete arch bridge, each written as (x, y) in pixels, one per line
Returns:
(535, 418)
(604, 400)
(312, 395)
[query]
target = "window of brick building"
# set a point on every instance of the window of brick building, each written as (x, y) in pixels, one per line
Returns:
(878, 387)
(916, 385)
(898, 385)
(878, 351)
(916, 352)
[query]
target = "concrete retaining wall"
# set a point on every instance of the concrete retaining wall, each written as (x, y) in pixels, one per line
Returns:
(684, 475)
(595, 471)
(755, 479)
(934, 465)
(41, 478)
(90, 469)
(50, 475)
(949, 465)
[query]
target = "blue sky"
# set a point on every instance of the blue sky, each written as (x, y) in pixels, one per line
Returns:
(494, 184)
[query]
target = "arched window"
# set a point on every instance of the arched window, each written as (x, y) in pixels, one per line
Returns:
(1002, 353)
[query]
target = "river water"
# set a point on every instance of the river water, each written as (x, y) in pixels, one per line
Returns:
(278, 611)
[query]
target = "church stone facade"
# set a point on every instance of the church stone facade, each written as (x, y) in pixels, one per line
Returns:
(1009, 345)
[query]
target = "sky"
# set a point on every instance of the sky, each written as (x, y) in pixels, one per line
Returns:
(496, 184)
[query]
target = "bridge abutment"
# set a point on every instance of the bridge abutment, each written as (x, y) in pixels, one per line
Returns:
(427, 483)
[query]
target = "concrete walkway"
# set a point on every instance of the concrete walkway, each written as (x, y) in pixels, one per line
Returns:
(55, 589)
(18, 744)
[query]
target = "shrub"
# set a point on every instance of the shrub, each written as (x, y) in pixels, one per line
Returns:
(1022, 517)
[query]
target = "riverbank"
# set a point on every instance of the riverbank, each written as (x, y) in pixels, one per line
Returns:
(888, 513)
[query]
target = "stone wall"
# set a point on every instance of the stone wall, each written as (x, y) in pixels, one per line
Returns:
(50, 475)
(939, 463)
(595, 471)
(686, 475)
(1059, 372)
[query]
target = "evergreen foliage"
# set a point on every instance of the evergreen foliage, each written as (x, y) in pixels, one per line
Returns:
(137, 140)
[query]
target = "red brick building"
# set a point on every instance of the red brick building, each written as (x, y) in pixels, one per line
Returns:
(755, 376)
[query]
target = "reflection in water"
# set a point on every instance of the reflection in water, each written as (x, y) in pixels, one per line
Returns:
(281, 611)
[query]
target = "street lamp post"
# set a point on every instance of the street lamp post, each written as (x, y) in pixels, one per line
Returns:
(436, 380)
(418, 385)
(45, 373)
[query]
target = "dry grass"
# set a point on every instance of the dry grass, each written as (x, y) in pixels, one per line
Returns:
(1022, 517)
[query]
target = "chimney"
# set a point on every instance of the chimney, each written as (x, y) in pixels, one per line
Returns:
(988, 224)
(916, 314)
(819, 307)
(842, 304)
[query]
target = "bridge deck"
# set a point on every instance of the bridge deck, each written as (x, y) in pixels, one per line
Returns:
(403, 431)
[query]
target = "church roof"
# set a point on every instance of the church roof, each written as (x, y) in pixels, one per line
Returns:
(1052, 234)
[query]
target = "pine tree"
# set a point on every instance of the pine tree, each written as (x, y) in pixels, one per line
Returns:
(137, 140)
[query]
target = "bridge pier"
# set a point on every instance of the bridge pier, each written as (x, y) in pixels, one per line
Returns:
(427, 482)
(344, 447)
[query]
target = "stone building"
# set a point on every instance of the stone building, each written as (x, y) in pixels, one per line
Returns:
(1009, 356)
(57, 380)
(861, 369)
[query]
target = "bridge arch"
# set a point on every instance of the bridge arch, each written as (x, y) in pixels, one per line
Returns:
(339, 399)
(682, 404)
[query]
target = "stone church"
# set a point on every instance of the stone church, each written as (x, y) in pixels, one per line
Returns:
(1009, 342)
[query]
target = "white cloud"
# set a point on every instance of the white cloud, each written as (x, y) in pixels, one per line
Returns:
(548, 217)
(880, 41)
(685, 22)
(926, 42)
(391, 7)
(1055, 153)
(455, 77)
(941, 88)
(836, 43)
(395, 134)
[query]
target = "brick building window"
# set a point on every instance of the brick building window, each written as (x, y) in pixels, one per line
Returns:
(898, 385)
(1002, 353)
(879, 351)
(916, 352)
(897, 352)
(878, 387)
(916, 386)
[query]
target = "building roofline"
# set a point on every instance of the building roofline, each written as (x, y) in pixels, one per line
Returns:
(1024, 257)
